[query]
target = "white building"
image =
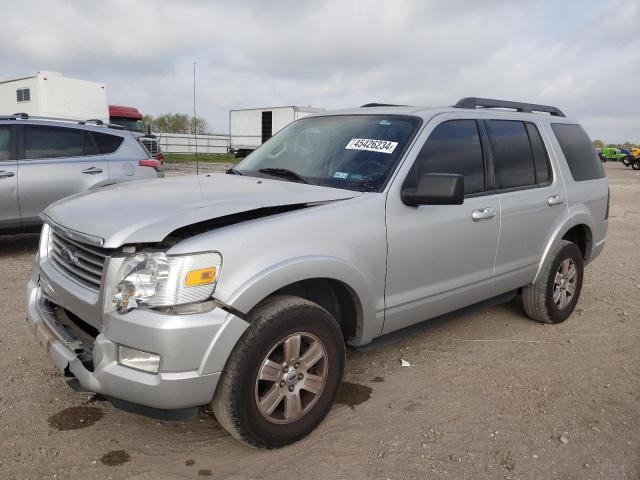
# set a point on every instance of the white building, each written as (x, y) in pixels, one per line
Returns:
(50, 94)
(251, 127)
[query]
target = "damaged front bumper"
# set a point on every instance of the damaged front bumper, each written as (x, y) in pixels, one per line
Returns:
(193, 349)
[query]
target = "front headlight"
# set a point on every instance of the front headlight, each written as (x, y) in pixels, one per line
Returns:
(155, 279)
(43, 247)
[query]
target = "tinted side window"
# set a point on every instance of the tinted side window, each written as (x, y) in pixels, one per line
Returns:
(5, 143)
(578, 150)
(512, 157)
(52, 142)
(107, 143)
(89, 145)
(540, 156)
(453, 147)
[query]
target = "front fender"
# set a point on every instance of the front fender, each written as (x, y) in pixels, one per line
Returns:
(370, 316)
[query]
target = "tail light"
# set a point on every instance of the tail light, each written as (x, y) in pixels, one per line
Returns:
(151, 162)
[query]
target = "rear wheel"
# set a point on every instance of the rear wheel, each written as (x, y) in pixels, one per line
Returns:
(636, 165)
(554, 296)
(283, 375)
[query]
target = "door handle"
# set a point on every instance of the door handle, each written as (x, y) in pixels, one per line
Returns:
(5, 174)
(482, 214)
(555, 200)
(92, 170)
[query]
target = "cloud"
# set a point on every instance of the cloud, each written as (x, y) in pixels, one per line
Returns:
(583, 56)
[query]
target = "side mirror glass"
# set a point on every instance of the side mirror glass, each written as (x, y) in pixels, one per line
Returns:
(436, 189)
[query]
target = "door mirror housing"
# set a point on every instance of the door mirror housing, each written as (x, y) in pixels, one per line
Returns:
(436, 189)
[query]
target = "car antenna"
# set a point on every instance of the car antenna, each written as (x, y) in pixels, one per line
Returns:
(195, 119)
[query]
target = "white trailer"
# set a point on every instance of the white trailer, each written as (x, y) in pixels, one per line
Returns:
(50, 94)
(251, 127)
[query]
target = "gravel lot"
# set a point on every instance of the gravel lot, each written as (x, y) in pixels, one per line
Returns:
(190, 168)
(488, 395)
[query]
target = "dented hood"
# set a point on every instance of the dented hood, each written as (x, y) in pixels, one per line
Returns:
(148, 211)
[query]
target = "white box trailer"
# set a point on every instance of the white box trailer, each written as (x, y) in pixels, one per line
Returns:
(50, 94)
(251, 127)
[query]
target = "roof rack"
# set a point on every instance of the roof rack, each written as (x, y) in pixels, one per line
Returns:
(15, 116)
(474, 102)
(91, 120)
(367, 105)
(99, 122)
(95, 121)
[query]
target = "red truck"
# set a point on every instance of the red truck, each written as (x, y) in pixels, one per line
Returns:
(131, 119)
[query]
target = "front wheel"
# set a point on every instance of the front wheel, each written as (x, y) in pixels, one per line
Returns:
(283, 376)
(626, 161)
(554, 296)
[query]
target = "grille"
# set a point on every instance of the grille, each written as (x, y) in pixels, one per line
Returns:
(151, 144)
(84, 263)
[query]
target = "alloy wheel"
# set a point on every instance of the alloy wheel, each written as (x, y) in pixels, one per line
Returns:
(564, 285)
(291, 378)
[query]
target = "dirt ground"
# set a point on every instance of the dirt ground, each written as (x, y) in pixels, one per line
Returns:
(487, 395)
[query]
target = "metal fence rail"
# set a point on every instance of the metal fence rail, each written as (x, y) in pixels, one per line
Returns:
(185, 143)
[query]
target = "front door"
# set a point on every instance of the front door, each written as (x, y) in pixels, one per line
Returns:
(9, 208)
(56, 162)
(441, 257)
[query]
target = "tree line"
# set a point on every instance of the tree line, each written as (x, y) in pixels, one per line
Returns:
(176, 123)
(626, 145)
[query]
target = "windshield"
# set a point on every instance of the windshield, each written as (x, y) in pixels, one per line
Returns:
(128, 123)
(354, 152)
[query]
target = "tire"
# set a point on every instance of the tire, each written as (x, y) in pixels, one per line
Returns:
(636, 165)
(626, 161)
(538, 299)
(240, 398)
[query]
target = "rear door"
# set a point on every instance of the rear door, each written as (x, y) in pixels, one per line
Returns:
(55, 162)
(532, 198)
(9, 209)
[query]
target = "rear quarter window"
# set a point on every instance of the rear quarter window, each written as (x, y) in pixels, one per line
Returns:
(107, 143)
(577, 148)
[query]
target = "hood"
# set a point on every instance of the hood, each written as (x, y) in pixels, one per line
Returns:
(149, 210)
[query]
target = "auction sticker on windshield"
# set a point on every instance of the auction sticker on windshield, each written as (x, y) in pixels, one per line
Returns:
(371, 145)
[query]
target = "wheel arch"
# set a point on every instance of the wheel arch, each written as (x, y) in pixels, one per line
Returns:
(576, 229)
(582, 236)
(328, 281)
(334, 296)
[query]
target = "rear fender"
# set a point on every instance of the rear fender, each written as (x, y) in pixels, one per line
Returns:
(581, 217)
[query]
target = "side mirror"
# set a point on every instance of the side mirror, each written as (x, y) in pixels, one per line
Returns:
(436, 189)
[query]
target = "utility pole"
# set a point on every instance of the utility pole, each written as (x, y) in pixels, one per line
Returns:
(195, 119)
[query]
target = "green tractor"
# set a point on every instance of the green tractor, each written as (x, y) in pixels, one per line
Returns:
(616, 155)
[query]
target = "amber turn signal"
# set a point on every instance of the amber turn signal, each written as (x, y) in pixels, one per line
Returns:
(204, 276)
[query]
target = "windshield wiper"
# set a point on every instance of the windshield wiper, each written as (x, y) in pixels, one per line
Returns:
(233, 171)
(284, 173)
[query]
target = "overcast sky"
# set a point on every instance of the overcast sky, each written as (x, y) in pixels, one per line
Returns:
(582, 56)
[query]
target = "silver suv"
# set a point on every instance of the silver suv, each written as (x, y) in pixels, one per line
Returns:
(43, 160)
(240, 290)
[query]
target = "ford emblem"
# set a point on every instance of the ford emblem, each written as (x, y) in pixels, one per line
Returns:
(69, 255)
